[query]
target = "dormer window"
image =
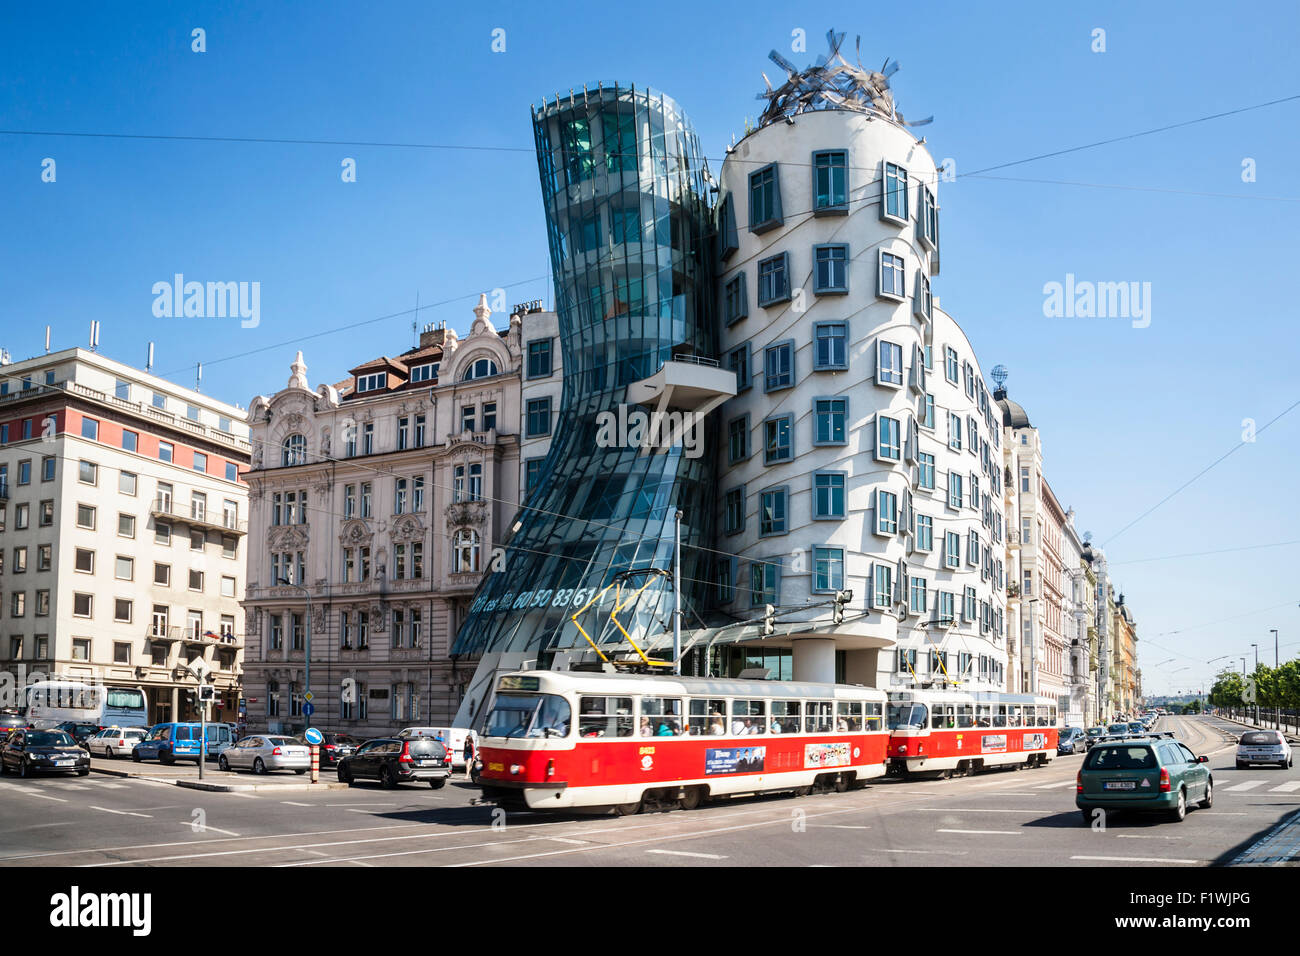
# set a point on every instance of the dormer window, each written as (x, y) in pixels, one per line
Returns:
(372, 383)
(483, 368)
(425, 373)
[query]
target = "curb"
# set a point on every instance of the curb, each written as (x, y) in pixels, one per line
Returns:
(254, 787)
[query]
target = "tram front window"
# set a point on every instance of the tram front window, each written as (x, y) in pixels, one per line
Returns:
(906, 716)
(529, 715)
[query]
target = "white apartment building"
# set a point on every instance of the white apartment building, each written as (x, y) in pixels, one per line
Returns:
(540, 390)
(123, 518)
(379, 503)
(862, 451)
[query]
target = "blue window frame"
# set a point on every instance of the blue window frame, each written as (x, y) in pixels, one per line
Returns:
(830, 416)
(738, 362)
(778, 439)
(774, 279)
(831, 272)
(738, 439)
(830, 182)
(734, 510)
(888, 438)
(828, 494)
(764, 583)
(925, 470)
(828, 569)
(735, 301)
(830, 345)
(778, 366)
(539, 417)
(539, 358)
(90, 429)
(894, 205)
(924, 533)
(773, 512)
(764, 199)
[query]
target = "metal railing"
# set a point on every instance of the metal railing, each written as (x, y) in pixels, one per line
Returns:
(165, 507)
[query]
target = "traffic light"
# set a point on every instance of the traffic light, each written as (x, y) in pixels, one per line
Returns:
(769, 620)
(207, 693)
(841, 598)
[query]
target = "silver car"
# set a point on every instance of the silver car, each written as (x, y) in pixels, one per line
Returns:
(262, 752)
(115, 741)
(1263, 746)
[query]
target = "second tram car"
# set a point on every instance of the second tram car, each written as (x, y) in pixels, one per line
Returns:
(558, 740)
(955, 732)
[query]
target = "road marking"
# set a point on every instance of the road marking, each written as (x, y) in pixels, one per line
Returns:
(207, 829)
(1134, 859)
(702, 856)
(997, 832)
(1288, 787)
(1053, 786)
(290, 803)
(43, 796)
(1146, 836)
(567, 840)
(73, 786)
(1242, 787)
(970, 810)
(124, 813)
(112, 786)
(935, 852)
(842, 826)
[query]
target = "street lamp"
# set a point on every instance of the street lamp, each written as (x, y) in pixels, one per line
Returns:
(306, 594)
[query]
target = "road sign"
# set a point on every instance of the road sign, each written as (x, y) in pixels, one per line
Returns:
(308, 709)
(313, 736)
(308, 697)
(199, 668)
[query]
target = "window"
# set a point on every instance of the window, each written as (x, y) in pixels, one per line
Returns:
(83, 605)
(828, 494)
(954, 431)
(890, 273)
(778, 366)
(86, 517)
(895, 194)
(828, 569)
(738, 362)
(951, 549)
(764, 199)
(831, 350)
(482, 368)
(465, 551)
(90, 429)
(196, 580)
(928, 219)
(726, 580)
(130, 440)
(832, 268)
(419, 429)
(778, 439)
(830, 182)
(42, 606)
(924, 533)
(162, 533)
(126, 482)
(368, 438)
(227, 586)
(763, 583)
(923, 303)
(25, 472)
(44, 557)
(468, 413)
(734, 510)
(489, 416)
(293, 451)
(1024, 479)
(45, 516)
(772, 517)
(47, 468)
(20, 560)
(532, 473)
(728, 241)
(888, 438)
(372, 382)
(467, 483)
(918, 600)
(831, 416)
(883, 591)
(18, 604)
(124, 568)
(738, 439)
(950, 364)
(735, 300)
(539, 358)
(198, 538)
(927, 410)
(22, 510)
(164, 451)
(886, 512)
(925, 470)
(122, 611)
(366, 495)
(969, 606)
(88, 473)
(539, 417)
(889, 364)
(774, 279)
(955, 493)
(192, 412)
(425, 373)
(1025, 525)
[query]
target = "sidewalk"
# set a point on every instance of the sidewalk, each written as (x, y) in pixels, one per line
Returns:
(214, 779)
(1288, 734)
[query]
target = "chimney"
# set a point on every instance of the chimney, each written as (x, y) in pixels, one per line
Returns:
(432, 335)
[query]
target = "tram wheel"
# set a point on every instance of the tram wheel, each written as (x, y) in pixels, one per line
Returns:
(945, 774)
(801, 791)
(692, 797)
(842, 781)
(627, 809)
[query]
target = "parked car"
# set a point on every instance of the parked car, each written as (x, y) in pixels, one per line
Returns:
(1118, 731)
(1135, 728)
(169, 742)
(394, 760)
(42, 751)
(1071, 740)
(453, 738)
(78, 731)
(115, 741)
(262, 752)
(11, 720)
(1094, 734)
(1144, 775)
(336, 747)
(1263, 746)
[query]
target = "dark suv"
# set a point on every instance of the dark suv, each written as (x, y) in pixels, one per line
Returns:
(392, 760)
(336, 747)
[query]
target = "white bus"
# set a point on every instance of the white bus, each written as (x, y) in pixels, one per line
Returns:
(51, 702)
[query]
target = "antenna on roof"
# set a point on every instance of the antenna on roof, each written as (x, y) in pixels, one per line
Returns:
(198, 381)
(415, 326)
(149, 361)
(94, 335)
(47, 340)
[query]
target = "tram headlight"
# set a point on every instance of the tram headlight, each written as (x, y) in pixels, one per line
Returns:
(902, 749)
(516, 769)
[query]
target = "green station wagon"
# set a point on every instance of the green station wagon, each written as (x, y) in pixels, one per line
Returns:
(1143, 774)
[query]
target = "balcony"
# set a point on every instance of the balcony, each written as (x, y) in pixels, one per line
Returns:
(687, 383)
(197, 516)
(1013, 540)
(178, 634)
(231, 441)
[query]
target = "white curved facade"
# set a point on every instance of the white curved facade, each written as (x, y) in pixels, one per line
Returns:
(841, 481)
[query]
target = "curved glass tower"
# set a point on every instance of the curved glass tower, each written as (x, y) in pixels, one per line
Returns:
(628, 208)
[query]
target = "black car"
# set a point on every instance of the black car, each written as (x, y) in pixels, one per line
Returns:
(336, 747)
(78, 731)
(31, 751)
(393, 760)
(11, 720)
(1071, 740)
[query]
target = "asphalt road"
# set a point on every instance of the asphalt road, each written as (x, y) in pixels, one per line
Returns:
(1015, 818)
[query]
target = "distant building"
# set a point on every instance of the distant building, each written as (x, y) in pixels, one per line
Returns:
(123, 517)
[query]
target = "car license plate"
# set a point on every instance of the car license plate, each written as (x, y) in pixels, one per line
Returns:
(63, 763)
(1119, 785)
(423, 763)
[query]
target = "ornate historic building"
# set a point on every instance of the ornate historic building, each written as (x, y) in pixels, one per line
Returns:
(374, 507)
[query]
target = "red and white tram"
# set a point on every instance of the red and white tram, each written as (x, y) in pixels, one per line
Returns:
(558, 740)
(954, 732)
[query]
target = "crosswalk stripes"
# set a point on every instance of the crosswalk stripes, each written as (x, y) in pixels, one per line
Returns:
(1242, 787)
(1289, 787)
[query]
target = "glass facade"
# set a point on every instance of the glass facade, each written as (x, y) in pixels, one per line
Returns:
(626, 193)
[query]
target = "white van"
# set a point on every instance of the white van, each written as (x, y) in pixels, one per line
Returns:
(453, 738)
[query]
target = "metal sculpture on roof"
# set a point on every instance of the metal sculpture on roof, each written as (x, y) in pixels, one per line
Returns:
(832, 84)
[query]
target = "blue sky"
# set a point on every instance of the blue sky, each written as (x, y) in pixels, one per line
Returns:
(1127, 415)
